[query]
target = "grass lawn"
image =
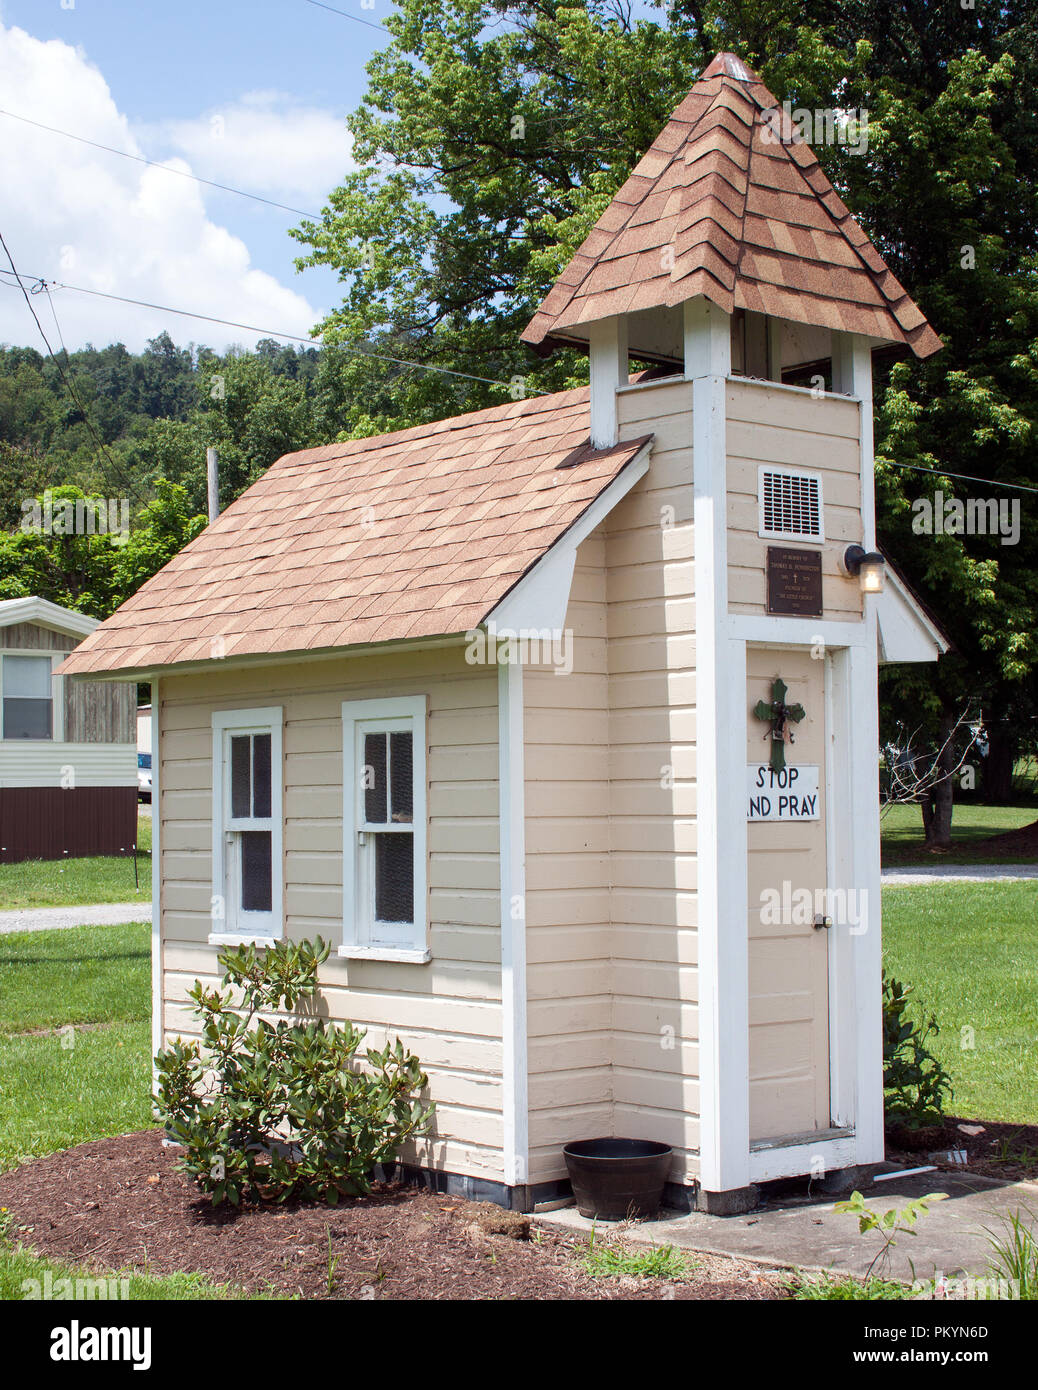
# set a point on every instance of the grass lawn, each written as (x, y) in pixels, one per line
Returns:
(95, 974)
(901, 828)
(18, 1266)
(69, 882)
(971, 952)
(62, 1088)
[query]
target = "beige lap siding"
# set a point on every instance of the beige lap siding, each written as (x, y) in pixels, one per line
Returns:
(652, 701)
(609, 849)
(448, 1011)
(567, 882)
(795, 431)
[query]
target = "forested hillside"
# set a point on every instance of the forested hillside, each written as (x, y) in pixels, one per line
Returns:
(152, 414)
(135, 426)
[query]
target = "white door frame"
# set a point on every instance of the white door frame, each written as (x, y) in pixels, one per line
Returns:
(852, 861)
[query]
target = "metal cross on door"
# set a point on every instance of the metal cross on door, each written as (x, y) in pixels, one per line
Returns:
(776, 715)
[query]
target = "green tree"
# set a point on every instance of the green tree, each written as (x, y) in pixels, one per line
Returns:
(93, 573)
(492, 135)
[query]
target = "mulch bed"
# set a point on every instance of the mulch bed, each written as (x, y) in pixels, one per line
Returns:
(1004, 1151)
(1018, 846)
(1021, 843)
(122, 1204)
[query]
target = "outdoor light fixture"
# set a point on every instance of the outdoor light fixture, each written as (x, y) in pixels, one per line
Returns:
(868, 565)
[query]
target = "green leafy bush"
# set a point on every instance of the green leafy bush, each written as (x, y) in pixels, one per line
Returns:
(914, 1081)
(276, 1108)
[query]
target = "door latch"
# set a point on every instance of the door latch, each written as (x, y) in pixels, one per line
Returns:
(823, 923)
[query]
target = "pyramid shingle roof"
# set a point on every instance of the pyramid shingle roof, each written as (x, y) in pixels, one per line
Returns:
(722, 206)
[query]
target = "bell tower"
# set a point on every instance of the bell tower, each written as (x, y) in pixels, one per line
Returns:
(729, 267)
(728, 252)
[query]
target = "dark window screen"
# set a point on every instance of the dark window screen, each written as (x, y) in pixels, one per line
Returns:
(256, 871)
(261, 775)
(241, 789)
(27, 718)
(394, 878)
(401, 776)
(375, 789)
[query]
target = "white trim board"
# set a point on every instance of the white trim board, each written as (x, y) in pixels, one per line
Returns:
(839, 865)
(46, 614)
(793, 1160)
(905, 631)
(541, 597)
(157, 1020)
(766, 630)
(721, 820)
(867, 948)
(144, 674)
(515, 1104)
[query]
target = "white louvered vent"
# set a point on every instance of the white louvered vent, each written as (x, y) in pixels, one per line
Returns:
(790, 505)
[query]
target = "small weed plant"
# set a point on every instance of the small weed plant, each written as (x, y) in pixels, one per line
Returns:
(604, 1261)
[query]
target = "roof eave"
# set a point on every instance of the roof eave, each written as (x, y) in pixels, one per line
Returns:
(44, 613)
(146, 674)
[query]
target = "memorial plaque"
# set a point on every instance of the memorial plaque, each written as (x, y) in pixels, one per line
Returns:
(795, 582)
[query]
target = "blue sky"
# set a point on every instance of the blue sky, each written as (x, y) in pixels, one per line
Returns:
(249, 94)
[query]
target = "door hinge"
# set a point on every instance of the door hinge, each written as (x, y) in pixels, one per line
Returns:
(823, 923)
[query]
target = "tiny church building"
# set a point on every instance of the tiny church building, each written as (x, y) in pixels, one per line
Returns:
(559, 719)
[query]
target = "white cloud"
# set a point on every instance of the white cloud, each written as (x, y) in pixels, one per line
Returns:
(268, 143)
(86, 217)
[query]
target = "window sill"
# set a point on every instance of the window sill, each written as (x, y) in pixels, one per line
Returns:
(411, 955)
(242, 939)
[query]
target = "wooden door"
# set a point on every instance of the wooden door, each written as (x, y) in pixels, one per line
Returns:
(788, 954)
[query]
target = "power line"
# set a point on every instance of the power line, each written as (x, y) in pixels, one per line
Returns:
(270, 332)
(963, 477)
(66, 380)
(53, 313)
(40, 282)
(42, 285)
(356, 18)
(155, 164)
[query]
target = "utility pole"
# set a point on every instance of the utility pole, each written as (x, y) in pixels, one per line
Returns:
(213, 477)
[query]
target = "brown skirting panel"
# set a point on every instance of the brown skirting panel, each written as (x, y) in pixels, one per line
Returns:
(52, 823)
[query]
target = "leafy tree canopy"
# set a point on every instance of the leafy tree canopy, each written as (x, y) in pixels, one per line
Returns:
(492, 135)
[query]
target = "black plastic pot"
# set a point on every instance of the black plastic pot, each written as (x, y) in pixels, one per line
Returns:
(614, 1179)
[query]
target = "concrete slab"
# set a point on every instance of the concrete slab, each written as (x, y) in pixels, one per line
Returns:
(794, 1231)
(57, 918)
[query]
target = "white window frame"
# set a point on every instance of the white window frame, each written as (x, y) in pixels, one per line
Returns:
(799, 536)
(398, 941)
(239, 927)
(57, 695)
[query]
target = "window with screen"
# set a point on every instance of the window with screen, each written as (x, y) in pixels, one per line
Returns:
(247, 823)
(384, 825)
(790, 505)
(28, 703)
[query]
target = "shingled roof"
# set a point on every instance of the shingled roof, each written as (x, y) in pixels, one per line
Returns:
(420, 533)
(722, 207)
